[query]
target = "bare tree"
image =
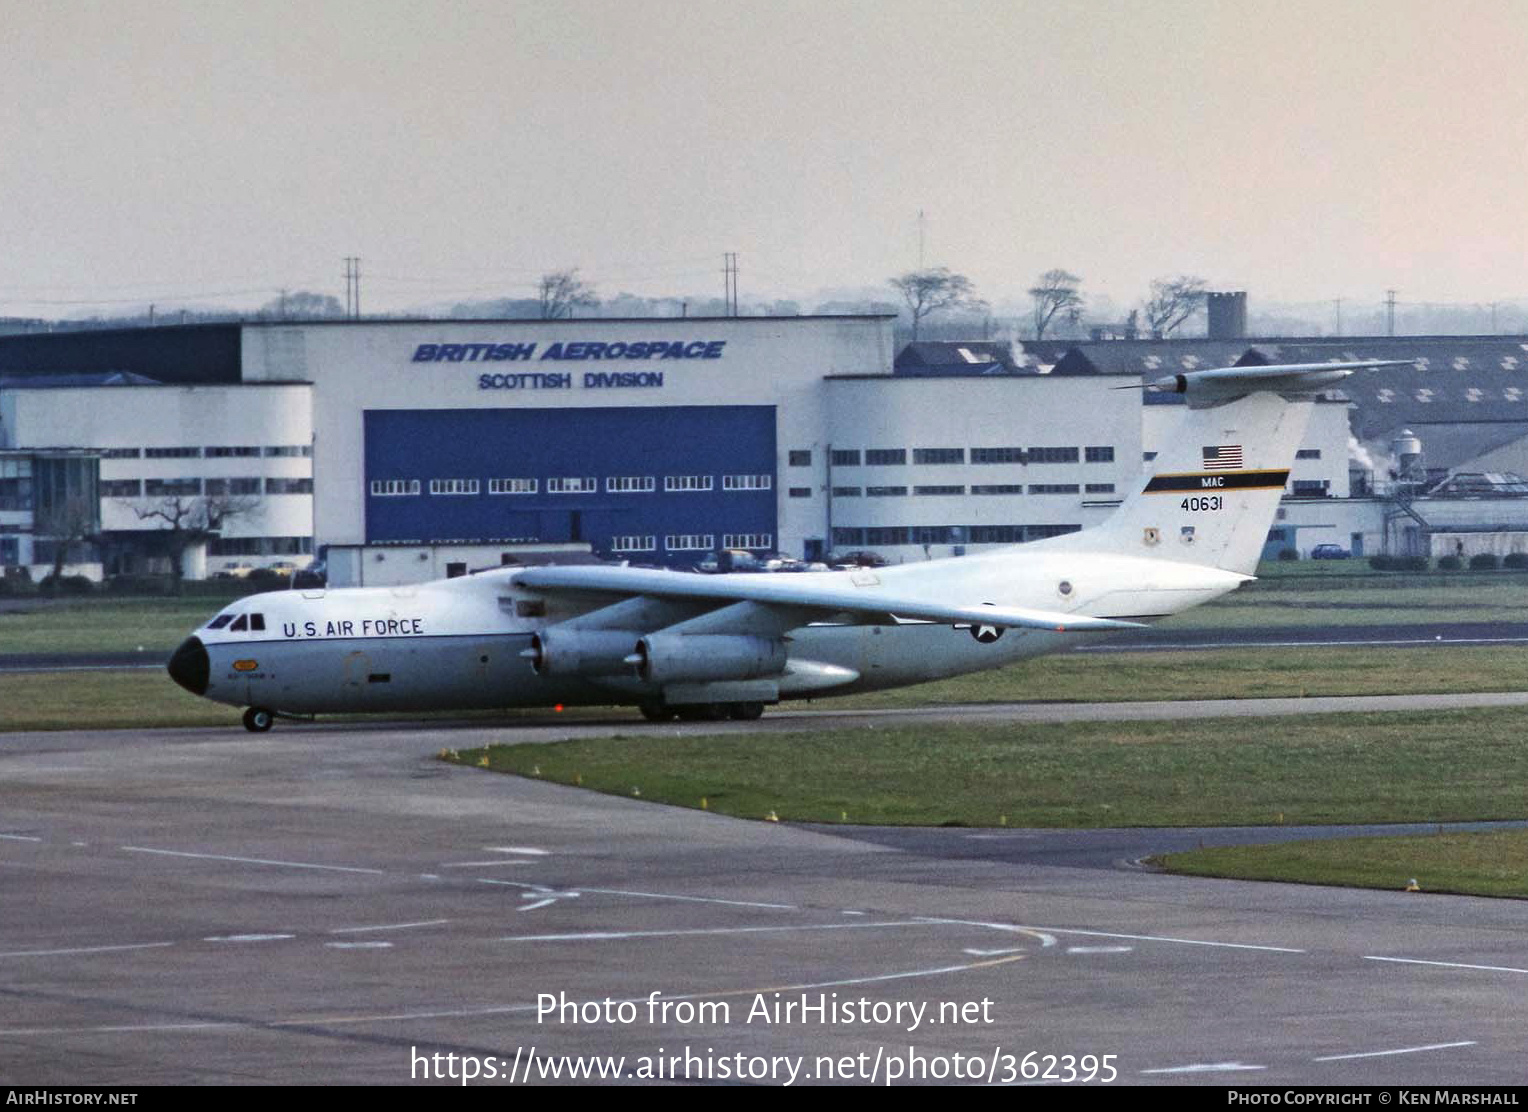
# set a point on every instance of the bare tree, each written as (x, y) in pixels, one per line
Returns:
(71, 522)
(1055, 293)
(186, 521)
(930, 291)
(1173, 301)
(562, 291)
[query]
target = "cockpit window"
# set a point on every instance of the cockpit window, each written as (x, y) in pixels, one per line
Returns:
(257, 622)
(220, 621)
(239, 625)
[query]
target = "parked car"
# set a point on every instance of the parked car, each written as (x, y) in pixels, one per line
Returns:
(1330, 552)
(315, 574)
(238, 570)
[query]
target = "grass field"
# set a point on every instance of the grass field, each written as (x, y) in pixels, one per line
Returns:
(1347, 768)
(1481, 864)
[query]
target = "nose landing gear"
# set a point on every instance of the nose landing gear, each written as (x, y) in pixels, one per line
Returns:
(257, 720)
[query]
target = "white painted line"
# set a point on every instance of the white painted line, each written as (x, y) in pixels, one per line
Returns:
(1387, 1053)
(1449, 964)
(1099, 949)
(646, 895)
(251, 860)
(85, 950)
(1208, 1067)
(389, 927)
(1041, 932)
(691, 899)
(482, 864)
(359, 945)
(249, 938)
(18, 838)
(993, 953)
(609, 936)
(856, 913)
(531, 850)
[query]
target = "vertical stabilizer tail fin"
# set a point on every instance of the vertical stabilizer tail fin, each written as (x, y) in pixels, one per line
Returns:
(1213, 490)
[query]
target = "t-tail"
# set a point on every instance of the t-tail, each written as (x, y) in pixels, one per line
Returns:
(1210, 495)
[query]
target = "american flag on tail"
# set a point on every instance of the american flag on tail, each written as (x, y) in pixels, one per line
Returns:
(1222, 457)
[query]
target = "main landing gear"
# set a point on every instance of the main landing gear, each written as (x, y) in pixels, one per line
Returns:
(257, 720)
(702, 712)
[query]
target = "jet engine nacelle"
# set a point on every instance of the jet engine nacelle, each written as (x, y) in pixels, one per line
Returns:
(665, 658)
(575, 652)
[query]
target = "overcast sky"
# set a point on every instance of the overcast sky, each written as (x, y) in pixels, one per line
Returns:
(1300, 150)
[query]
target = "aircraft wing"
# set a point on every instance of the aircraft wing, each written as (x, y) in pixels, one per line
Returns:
(781, 591)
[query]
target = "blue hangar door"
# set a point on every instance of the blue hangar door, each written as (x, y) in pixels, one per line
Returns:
(662, 484)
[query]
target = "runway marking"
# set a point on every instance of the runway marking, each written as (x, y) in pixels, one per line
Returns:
(19, 838)
(646, 895)
(390, 927)
(482, 864)
(359, 945)
(1039, 931)
(1208, 1067)
(251, 860)
(1100, 949)
(1160, 647)
(613, 936)
(85, 950)
(1387, 1053)
(1449, 964)
(692, 899)
(249, 938)
(531, 850)
(993, 953)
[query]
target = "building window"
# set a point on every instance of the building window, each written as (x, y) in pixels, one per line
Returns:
(1098, 488)
(997, 455)
(437, 486)
(843, 537)
(997, 534)
(885, 457)
(171, 488)
(132, 488)
(885, 492)
(513, 486)
(845, 457)
(892, 534)
(1053, 488)
(172, 453)
(847, 492)
(1052, 455)
(1040, 532)
(225, 452)
(800, 458)
(1308, 453)
(391, 488)
(938, 534)
(1148, 456)
(288, 450)
(939, 455)
(305, 486)
(801, 492)
(568, 484)
(633, 544)
(241, 486)
(939, 490)
(687, 482)
(630, 484)
(690, 542)
(1310, 488)
(748, 482)
(122, 453)
(1103, 454)
(748, 540)
(998, 488)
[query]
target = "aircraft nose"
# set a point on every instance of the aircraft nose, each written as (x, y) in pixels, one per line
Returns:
(190, 667)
